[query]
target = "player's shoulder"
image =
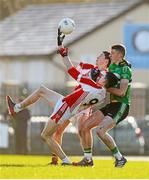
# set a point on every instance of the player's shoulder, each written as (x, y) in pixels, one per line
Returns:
(125, 63)
(125, 66)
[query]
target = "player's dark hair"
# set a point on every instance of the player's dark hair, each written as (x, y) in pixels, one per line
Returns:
(119, 48)
(107, 56)
(111, 80)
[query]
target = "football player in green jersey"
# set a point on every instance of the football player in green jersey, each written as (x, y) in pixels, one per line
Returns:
(110, 115)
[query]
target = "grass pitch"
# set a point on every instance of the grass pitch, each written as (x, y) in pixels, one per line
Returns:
(13, 166)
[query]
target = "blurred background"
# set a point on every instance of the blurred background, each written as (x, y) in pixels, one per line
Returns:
(28, 59)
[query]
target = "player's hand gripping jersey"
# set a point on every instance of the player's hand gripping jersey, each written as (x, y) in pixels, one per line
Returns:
(88, 93)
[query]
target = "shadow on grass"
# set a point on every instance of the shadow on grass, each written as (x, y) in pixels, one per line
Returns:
(24, 165)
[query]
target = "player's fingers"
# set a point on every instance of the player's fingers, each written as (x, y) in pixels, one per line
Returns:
(59, 32)
(63, 36)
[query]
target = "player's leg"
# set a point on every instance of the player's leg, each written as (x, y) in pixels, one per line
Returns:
(52, 97)
(90, 123)
(43, 92)
(47, 135)
(58, 135)
(60, 114)
(116, 112)
(102, 132)
(86, 137)
(83, 120)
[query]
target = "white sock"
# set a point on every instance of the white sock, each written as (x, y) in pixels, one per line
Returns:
(17, 108)
(66, 160)
(118, 155)
(88, 155)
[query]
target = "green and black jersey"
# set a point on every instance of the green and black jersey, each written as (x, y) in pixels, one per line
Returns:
(122, 72)
(118, 108)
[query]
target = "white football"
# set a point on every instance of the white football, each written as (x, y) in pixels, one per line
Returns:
(66, 25)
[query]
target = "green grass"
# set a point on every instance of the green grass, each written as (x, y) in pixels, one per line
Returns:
(12, 166)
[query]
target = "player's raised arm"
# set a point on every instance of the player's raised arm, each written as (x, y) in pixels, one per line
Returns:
(63, 51)
(60, 38)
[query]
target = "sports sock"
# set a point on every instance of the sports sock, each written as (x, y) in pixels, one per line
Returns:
(88, 153)
(66, 160)
(17, 108)
(116, 153)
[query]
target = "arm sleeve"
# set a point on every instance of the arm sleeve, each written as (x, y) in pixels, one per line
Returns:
(89, 82)
(82, 79)
(74, 73)
(86, 65)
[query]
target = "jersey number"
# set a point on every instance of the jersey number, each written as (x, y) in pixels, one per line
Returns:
(91, 102)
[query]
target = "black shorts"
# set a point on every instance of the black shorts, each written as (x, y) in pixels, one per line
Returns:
(116, 110)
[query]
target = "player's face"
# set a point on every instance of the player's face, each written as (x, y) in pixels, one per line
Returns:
(115, 56)
(101, 61)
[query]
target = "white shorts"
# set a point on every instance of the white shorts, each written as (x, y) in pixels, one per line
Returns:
(62, 112)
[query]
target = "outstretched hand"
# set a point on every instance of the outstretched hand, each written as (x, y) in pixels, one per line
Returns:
(60, 37)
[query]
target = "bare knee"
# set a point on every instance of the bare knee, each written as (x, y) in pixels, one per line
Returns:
(45, 136)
